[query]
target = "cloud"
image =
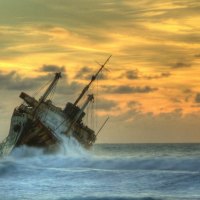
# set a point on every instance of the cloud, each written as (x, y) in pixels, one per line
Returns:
(13, 81)
(168, 127)
(104, 104)
(136, 74)
(197, 98)
(52, 68)
(132, 74)
(162, 75)
(187, 91)
(181, 65)
(86, 73)
(133, 103)
(129, 89)
(72, 88)
(152, 38)
(155, 53)
(188, 94)
(102, 19)
(165, 74)
(83, 73)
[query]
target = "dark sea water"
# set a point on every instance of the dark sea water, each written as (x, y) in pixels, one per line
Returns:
(108, 171)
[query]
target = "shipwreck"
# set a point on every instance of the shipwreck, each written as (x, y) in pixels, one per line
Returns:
(39, 123)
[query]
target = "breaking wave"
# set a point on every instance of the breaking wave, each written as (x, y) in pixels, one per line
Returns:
(69, 147)
(110, 198)
(72, 155)
(74, 173)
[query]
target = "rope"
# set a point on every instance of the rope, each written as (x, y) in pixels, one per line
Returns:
(96, 102)
(40, 88)
(50, 98)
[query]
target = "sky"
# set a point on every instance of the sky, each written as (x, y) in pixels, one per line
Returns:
(151, 85)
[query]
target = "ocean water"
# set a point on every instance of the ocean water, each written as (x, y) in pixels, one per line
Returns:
(108, 171)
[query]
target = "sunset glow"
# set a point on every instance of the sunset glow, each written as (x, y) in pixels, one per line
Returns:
(152, 88)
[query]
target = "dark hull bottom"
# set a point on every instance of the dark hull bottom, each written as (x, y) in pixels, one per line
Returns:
(35, 134)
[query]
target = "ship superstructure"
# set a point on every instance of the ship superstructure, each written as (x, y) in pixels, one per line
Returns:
(39, 123)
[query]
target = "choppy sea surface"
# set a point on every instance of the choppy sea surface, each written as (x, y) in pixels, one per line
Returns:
(108, 171)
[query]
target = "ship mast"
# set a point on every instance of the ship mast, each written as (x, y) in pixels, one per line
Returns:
(48, 91)
(50, 88)
(92, 79)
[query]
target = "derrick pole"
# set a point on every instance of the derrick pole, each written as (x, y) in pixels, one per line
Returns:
(48, 91)
(50, 88)
(91, 81)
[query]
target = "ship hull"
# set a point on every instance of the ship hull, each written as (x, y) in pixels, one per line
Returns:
(44, 131)
(39, 123)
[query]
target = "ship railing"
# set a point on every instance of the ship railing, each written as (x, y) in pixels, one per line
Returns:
(8, 143)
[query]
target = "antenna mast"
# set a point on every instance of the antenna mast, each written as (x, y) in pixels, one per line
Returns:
(92, 79)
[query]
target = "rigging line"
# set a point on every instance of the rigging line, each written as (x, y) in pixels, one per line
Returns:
(102, 125)
(60, 124)
(53, 92)
(50, 98)
(87, 115)
(40, 88)
(92, 115)
(97, 96)
(65, 120)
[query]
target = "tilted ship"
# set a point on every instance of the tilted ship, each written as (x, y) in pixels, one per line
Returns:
(39, 123)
